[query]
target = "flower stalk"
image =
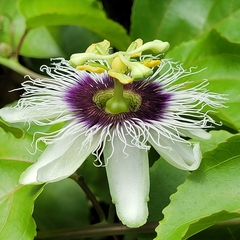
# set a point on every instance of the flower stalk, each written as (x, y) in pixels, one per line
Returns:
(79, 180)
(97, 230)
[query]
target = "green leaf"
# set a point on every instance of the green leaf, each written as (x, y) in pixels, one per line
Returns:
(179, 21)
(164, 181)
(62, 204)
(70, 39)
(12, 28)
(50, 43)
(49, 38)
(12, 25)
(216, 138)
(17, 132)
(229, 32)
(57, 41)
(221, 63)
(165, 178)
(209, 195)
(229, 230)
(16, 201)
(72, 12)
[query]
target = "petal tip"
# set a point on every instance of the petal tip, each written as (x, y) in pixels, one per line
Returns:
(132, 215)
(26, 179)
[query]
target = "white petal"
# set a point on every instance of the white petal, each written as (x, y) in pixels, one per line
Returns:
(59, 160)
(196, 133)
(12, 115)
(128, 177)
(18, 114)
(181, 155)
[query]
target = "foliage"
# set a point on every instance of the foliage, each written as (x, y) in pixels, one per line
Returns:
(202, 34)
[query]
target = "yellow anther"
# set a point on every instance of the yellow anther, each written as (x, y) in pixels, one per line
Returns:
(122, 78)
(91, 68)
(151, 63)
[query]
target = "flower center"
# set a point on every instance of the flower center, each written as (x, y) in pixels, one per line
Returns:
(101, 98)
(88, 98)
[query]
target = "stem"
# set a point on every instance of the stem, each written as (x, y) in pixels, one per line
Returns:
(97, 230)
(111, 213)
(228, 223)
(102, 230)
(79, 180)
(20, 44)
(17, 67)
